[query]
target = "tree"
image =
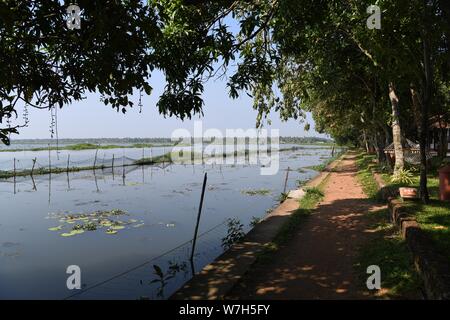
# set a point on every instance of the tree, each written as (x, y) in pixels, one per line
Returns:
(45, 65)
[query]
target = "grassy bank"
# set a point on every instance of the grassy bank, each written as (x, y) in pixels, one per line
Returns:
(365, 176)
(324, 164)
(306, 205)
(399, 279)
(434, 218)
(388, 250)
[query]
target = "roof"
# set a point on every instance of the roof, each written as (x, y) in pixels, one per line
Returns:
(407, 145)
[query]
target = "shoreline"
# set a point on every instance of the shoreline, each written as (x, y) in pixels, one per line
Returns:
(217, 278)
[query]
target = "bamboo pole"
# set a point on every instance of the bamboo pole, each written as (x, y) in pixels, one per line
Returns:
(95, 159)
(14, 175)
(194, 240)
(49, 160)
(32, 168)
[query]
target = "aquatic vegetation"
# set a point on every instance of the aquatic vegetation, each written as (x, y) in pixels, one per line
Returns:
(254, 221)
(301, 182)
(282, 197)
(55, 228)
(260, 192)
(235, 233)
(78, 223)
(163, 278)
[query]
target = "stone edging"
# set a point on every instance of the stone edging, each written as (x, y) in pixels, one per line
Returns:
(432, 267)
(220, 276)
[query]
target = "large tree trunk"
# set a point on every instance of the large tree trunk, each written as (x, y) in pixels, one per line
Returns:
(443, 143)
(416, 106)
(379, 147)
(396, 130)
(428, 90)
(366, 143)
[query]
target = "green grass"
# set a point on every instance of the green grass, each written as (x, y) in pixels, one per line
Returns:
(388, 250)
(324, 164)
(365, 177)
(434, 218)
(287, 230)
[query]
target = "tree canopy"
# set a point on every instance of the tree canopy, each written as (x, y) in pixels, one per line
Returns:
(291, 56)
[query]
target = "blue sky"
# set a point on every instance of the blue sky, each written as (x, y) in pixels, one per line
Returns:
(92, 119)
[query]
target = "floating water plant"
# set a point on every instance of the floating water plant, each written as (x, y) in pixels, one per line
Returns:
(261, 192)
(55, 228)
(77, 223)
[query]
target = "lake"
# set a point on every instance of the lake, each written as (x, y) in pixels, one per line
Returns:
(143, 223)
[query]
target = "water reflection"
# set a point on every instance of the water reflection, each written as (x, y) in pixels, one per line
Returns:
(166, 204)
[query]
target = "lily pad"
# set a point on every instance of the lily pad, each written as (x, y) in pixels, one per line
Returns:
(72, 233)
(55, 228)
(110, 231)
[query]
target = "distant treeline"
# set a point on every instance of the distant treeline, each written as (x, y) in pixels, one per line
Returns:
(305, 140)
(151, 141)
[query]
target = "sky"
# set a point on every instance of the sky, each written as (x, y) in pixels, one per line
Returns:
(90, 118)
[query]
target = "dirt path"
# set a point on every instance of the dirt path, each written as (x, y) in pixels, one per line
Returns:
(317, 263)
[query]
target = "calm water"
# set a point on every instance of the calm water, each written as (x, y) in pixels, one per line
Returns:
(161, 208)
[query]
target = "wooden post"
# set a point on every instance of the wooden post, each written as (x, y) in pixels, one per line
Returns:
(32, 168)
(68, 162)
(95, 159)
(112, 166)
(14, 175)
(123, 170)
(49, 160)
(194, 240)
(286, 180)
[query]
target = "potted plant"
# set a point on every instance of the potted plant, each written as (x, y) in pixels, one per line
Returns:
(403, 176)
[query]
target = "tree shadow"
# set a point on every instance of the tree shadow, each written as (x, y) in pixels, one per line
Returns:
(317, 263)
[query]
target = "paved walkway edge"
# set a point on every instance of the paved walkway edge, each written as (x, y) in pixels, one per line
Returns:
(219, 277)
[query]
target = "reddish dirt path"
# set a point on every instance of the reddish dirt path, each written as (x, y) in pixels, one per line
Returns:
(317, 263)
